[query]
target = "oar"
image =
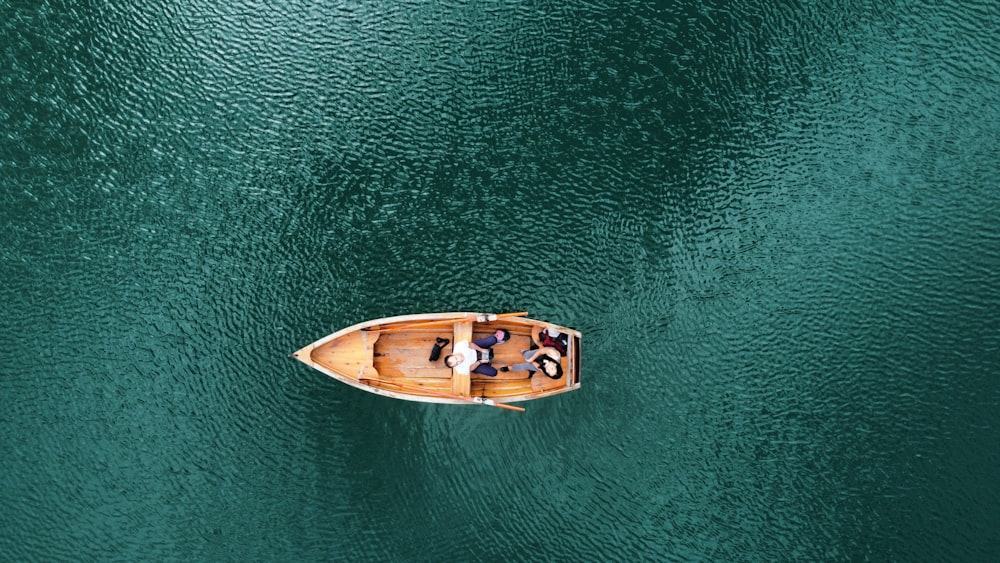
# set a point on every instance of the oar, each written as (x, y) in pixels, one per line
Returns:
(422, 324)
(444, 322)
(477, 400)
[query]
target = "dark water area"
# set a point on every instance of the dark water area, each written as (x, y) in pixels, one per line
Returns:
(776, 224)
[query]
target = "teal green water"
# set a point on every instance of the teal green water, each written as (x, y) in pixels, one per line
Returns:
(776, 224)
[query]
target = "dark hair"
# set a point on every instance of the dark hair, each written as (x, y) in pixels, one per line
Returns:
(506, 334)
(558, 364)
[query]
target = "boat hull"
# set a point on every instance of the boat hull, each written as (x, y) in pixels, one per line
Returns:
(390, 357)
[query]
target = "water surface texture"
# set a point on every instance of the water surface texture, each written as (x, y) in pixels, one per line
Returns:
(777, 225)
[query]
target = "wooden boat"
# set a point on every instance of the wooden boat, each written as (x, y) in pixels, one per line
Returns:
(390, 356)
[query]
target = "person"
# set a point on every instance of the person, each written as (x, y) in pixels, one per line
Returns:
(545, 360)
(475, 356)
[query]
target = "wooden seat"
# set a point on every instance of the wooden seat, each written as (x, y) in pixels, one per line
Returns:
(460, 383)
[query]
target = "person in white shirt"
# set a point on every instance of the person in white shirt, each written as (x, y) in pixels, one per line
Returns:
(474, 357)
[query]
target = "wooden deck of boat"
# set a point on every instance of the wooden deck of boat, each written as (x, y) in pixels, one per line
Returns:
(350, 355)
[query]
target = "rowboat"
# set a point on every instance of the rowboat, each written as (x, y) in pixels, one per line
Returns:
(392, 357)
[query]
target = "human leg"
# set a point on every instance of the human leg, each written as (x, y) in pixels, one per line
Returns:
(486, 369)
(524, 366)
(486, 342)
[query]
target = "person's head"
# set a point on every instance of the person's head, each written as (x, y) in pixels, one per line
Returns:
(451, 360)
(553, 369)
(502, 335)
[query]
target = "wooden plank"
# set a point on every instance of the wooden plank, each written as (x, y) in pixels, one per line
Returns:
(427, 391)
(405, 354)
(421, 324)
(349, 355)
(468, 317)
(401, 371)
(573, 362)
(460, 383)
(498, 388)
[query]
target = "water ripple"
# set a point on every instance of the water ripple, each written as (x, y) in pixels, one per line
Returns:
(775, 226)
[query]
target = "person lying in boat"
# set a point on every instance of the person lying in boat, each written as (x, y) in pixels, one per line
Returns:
(475, 356)
(545, 360)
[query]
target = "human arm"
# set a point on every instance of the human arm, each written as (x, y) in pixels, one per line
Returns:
(536, 336)
(545, 351)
